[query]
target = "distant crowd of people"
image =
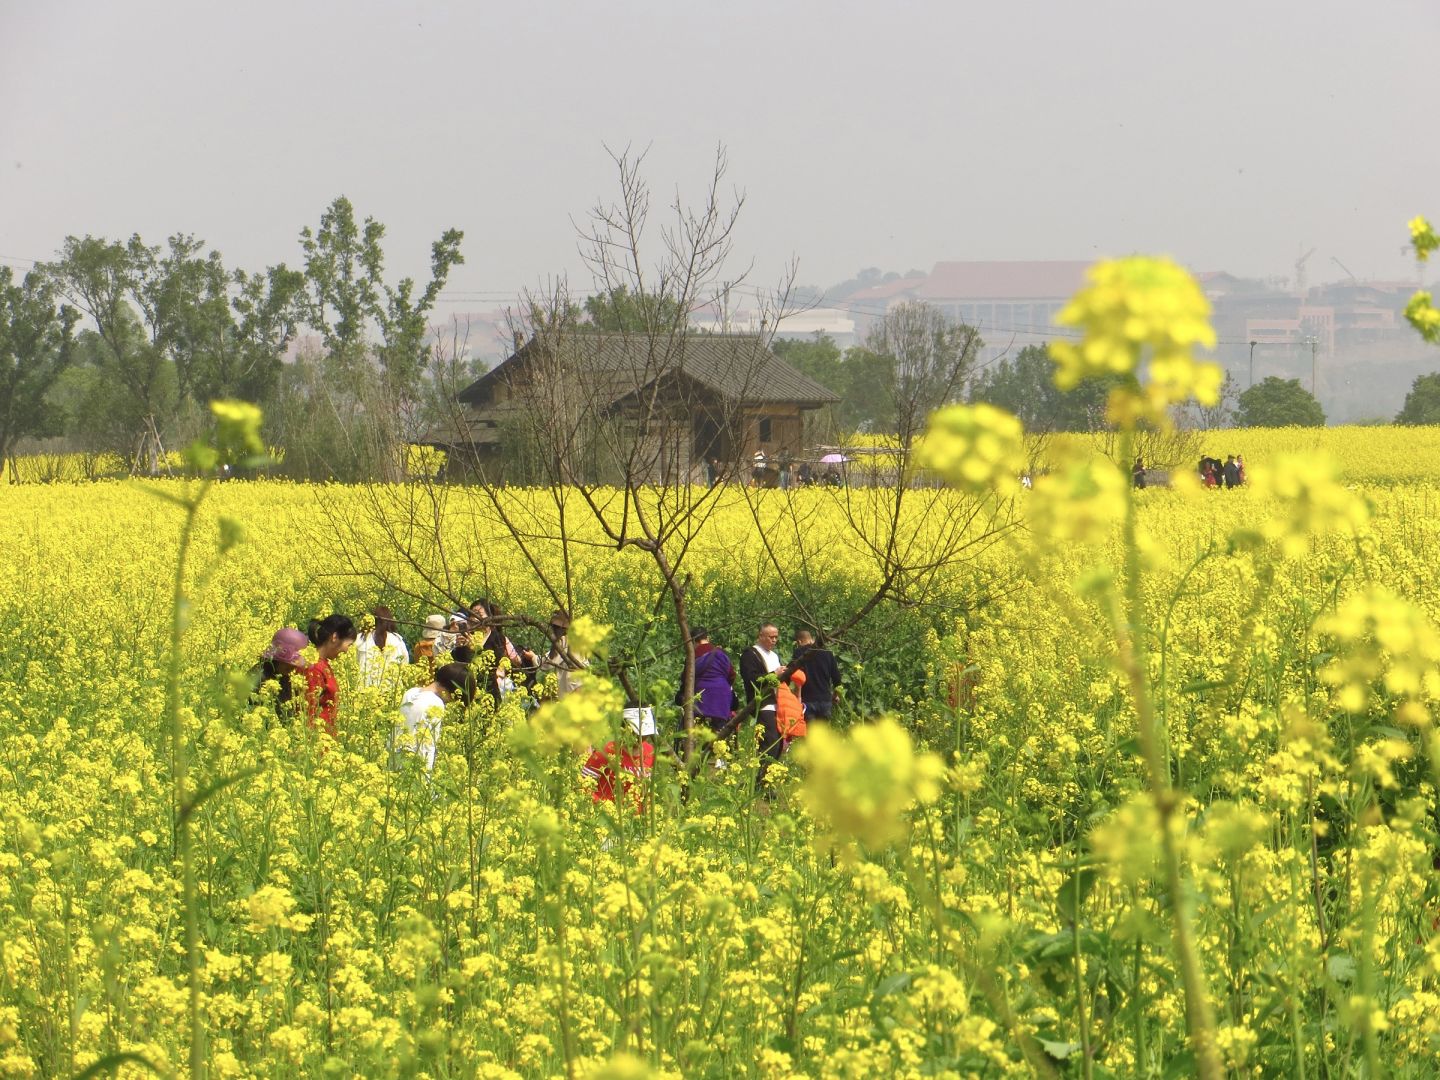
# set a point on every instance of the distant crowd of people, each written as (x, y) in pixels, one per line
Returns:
(1230, 473)
(1214, 473)
(780, 471)
(461, 655)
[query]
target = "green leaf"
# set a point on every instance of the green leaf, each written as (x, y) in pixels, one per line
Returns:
(218, 786)
(1199, 686)
(201, 457)
(1059, 1050)
(170, 497)
(894, 984)
(1341, 967)
(231, 533)
(1070, 900)
(1182, 1065)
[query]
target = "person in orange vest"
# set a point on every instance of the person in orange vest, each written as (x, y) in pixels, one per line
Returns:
(625, 765)
(790, 708)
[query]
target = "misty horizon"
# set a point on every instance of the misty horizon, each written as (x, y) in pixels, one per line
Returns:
(1232, 139)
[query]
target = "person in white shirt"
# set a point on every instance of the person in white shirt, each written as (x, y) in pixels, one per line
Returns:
(756, 662)
(422, 714)
(381, 653)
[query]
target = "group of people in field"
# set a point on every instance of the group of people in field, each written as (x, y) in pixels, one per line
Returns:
(770, 470)
(1229, 474)
(463, 654)
(1214, 473)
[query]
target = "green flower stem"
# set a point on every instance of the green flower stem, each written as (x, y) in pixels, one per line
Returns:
(179, 772)
(1166, 800)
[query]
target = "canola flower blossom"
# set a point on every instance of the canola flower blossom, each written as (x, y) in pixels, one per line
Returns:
(1309, 502)
(862, 786)
(1420, 311)
(1132, 309)
(977, 448)
(1387, 644)
(1081, 502)
(1423, 238)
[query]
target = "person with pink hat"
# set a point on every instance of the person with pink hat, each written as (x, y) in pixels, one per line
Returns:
(281, 659)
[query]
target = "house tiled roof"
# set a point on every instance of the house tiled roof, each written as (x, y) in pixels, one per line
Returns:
(740, 367)
(1002, 281)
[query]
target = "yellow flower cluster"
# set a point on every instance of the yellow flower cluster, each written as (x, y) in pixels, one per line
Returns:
(1423, 238)
(1138, 310)
(1385, 643)
(869, 912)
(862, 786)
(1309, 502)
(977, 448)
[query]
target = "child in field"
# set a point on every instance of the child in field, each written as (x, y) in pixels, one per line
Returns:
(560, 661)
(622, 764)
(332, 637)
(422, 712)
(428, 647)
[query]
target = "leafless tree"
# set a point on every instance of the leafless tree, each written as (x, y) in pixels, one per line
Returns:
(912, 535)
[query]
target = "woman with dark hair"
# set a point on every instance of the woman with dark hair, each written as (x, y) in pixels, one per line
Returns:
(422, 712)
(505, 658)
(715, 697)
(381, 652)
(332, 637)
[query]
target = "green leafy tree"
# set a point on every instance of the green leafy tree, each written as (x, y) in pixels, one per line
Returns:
(619, 310)
(862, 378)
(123, 289)
(866, 381)
(1277, 402)
(343, 268)
(249, 348)
(349, 412)
(818, 357)
(345, 295)
(183, 300)
(1422, 403)
(100, 278)
(36, 345)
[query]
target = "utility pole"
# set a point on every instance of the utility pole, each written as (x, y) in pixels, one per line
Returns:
(1314, 345)
(1252, 365)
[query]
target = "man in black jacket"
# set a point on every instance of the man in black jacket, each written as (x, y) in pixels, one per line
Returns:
(821, 692)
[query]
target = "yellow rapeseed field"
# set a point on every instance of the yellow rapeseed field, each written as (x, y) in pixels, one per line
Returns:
(356, 921)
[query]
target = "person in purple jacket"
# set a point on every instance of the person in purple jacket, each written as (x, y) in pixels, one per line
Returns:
(715, 698)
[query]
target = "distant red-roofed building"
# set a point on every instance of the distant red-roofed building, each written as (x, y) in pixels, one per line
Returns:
(1011, 303)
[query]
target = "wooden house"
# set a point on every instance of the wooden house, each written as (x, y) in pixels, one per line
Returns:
(681, 401)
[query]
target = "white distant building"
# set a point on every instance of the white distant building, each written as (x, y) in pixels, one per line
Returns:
(833, 322)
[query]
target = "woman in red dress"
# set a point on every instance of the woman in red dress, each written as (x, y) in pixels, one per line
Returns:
(332, 637)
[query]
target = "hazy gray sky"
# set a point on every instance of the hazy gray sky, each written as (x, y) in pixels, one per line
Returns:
(1228, 133)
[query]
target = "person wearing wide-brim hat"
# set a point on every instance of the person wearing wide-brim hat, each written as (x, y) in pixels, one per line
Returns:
(282, 658)
(432, 641)
(556, 662)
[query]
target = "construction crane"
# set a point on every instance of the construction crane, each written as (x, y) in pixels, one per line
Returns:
(1300, 271)
(1342, 266)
